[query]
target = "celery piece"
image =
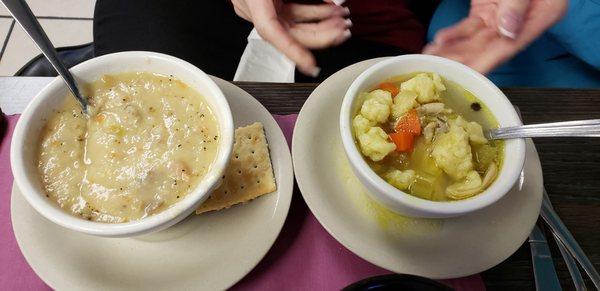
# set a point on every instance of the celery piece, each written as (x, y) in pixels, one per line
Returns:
(484, 156)
(424, 186)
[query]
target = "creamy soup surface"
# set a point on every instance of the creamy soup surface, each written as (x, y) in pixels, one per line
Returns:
(149, 140)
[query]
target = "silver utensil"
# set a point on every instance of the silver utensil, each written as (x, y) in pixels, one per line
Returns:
(23, 15)
(567, 257)
(544, 272)
(567, 239)
(581, 128)
(546, 267)
(543, 266)
(571, 265)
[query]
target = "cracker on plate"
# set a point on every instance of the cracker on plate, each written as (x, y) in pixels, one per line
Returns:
(249, 174)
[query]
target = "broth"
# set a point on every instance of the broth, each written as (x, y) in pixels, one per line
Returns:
(419, 171)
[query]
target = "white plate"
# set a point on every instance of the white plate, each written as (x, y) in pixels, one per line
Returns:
(211, 251)
(434, 248)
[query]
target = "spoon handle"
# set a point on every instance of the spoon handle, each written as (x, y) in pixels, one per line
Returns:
(561, 231)
(23, 15)
(567, 257)
(580, 128)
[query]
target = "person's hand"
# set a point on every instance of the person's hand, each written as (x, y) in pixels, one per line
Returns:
(295, 28)
(496, 30)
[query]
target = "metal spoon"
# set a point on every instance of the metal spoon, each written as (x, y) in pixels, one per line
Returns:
(581, 128)
(564, 251)
(23, 15)
(560, 230)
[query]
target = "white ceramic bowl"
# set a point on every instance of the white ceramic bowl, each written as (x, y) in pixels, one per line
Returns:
(486, 91)
(24, 147)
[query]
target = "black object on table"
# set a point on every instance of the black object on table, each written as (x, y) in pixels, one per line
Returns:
(397, 282)
(3, 125)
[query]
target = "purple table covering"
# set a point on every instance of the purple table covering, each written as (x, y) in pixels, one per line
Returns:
(304, 256)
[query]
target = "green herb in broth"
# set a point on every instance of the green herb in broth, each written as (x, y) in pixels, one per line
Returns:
(429, 181)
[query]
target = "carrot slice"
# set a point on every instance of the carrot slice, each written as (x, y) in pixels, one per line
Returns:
(409, 123)
(403, 140)
(390, 87)
(100, 117)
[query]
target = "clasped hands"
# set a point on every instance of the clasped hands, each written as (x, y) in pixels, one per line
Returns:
(493, 32)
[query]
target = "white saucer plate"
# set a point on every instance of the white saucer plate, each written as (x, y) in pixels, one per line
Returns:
(212, 251)
(434, 248)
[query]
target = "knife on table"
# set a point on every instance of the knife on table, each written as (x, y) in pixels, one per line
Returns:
(563, 234)
(543, 265)
(545, 275)
(568, 258)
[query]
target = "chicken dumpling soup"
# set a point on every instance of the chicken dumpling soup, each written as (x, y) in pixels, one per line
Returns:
(424, 135)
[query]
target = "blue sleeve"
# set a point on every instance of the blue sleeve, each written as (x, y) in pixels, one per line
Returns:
(448, 13)
(579, 31)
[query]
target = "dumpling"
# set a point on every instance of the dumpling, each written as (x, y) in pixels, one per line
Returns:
(400, 179)
(437, 82)
(375, 144)
(377, 106)
(361, 125)
(475, 132)
(427, 90)
(403, 102)
(466, 188)
(452, 152)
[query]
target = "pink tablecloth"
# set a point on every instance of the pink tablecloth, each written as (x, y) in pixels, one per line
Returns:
(304, 257)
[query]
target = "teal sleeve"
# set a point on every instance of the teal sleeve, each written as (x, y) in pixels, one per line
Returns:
(448, 13)
(571, 47)
(579, 31)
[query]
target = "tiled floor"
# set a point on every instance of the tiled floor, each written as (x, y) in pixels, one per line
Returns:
(67, 22)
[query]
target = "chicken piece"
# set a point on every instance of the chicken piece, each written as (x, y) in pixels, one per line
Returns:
(108, 122)
(403, 102)
(377, 106)
(131, 115)
(452, 152)
(490, 175)
(431, 108)
(425, 87)
(361, 125)
(429, 132)
(400, 179)
(466, 188)
(375, 144)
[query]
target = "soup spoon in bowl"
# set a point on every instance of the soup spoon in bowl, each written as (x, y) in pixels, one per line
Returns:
(23, 15)
(578, 128)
